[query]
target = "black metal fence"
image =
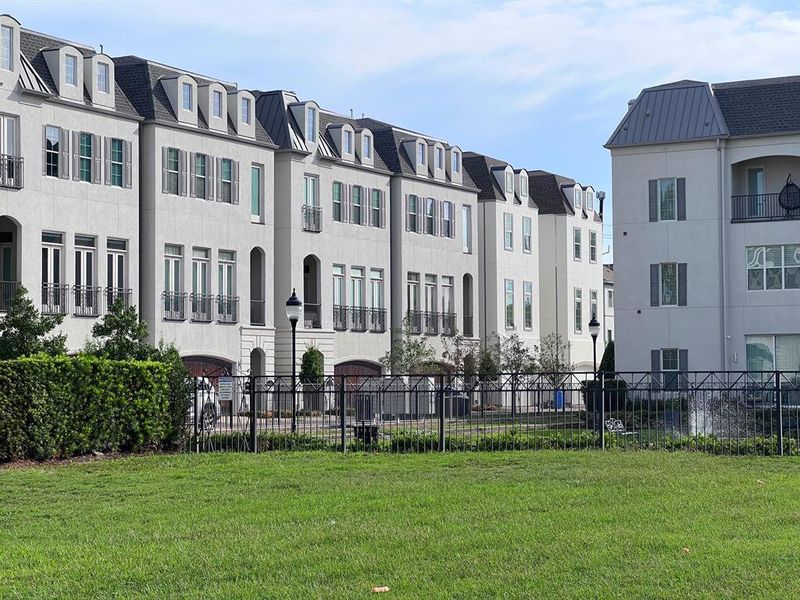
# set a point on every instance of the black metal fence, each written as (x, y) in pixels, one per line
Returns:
(722, 412)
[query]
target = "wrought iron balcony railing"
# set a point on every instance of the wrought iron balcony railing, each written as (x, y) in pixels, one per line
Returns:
(85, 301)
(201, 307)
(228, 309)
(414, 318)
(173, 306)
(7, 291)
(759, 207)
(448, 323)
(431, 323)
(11, 171)
(358, 318)
(312, 218)
(113, 294)
(55, 298)
(377, 320)
(340, 317)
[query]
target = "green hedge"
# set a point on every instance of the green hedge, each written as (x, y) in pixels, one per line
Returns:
(68, 406)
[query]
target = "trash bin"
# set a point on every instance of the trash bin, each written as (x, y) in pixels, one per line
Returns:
(558, 399)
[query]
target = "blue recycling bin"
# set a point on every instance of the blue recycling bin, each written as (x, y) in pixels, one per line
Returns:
(558, 399)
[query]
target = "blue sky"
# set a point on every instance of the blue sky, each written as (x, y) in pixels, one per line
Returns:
(539, 84)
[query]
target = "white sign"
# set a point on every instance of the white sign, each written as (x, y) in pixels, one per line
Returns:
(225, 389)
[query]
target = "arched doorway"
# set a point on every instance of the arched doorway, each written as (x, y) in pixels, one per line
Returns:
(312, 297)
(258, 309)
(9, 261)
(357, 368)
(466, 291)
(258, 360)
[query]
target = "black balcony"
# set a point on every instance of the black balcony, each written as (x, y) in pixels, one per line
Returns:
(7, 291)
(257, 312)
(377, 320)
(760, 207)
(448, 323)
(85, 301)
(358, 318)
(312, 316)
(312, 218)
(173, 306)
(414, 318)
(55, 298)
(201, 307)
(114, 295)
(340, 317)
(227, 309)
(11, 171)
(431, 321)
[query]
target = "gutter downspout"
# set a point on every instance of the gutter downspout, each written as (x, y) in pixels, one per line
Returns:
(722, 257)
(485, 335)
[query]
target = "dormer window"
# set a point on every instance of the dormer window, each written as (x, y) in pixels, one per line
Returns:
(509, 183)
(348, 141)
(216, 104)
(6, 48)
(578, 198)
(71, 67)
(420, 153)
(456, 162)
(103, 72)
(439, 158)
(246, 110)
(523, 186)
(311, 124)
(366, 143)
(186, 95)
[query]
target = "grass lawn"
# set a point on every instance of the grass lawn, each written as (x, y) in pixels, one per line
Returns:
(322, 525)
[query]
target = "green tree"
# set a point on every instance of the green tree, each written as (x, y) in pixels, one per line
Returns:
(461, 353)
(409, 353)
(607, 362)
(552, 358)
(488, 367)
(312, 366)
(515, 355)
(25, 332)
(120, 335)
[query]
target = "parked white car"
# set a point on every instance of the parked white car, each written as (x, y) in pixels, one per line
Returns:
(207, 403)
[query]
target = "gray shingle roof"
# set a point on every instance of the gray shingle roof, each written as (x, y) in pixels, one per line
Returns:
(140, 79)
(694, 110)
(32, 45)
(479, 168)
(327, 118)
(545, 189)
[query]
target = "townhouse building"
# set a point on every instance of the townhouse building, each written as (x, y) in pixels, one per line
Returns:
(69, 180)
(608, 303)
(707, 227)
(508, 249)
(570, 256)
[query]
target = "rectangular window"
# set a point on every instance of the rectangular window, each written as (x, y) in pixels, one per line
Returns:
(773, 352)
(578, 199)
(173, 269)
(412, 291)
(669, 284)
(103, 76)
(201, 306)
(526, 235)
(216, 103)
(509, 182)
(669, 359)
(610, 298)
(439, 158)
(310, 196)
(226, 179)
(6, 48)
(527, 304)
(456, 161)
(592, 304)
(523, 186)
(337, 201)
(116, 162)
(357, 287)
(448, 295)
(576, 243)
(593, 246)
(338, 285)
(348, 141)
(578, 301)
(375, 208)
(200, 176)
(116, 270)
(376, 288)
(84, 273)
(187, 96)
(466, 229)
(509, 302)
(53, 297)
(71, 74)
(356, 196)
(311, 124)
(411, 215)
(667, 199)
(430, 216)
(447, 219)
(773, 267)
(430, 293)
(366, 146)
(86, 157)
(226, 273)
(256, 179)
(173, 170)
(52, 150)
(420, 153)
(246, 110)
(508, 231)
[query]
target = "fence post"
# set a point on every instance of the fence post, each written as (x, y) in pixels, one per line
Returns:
(779, 403)
(440, 402)
(342, 413)
(196, 437)
(602, 408)
(253, 414)
(513, 397)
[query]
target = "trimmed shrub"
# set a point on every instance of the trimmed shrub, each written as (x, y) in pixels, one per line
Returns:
(68, 406)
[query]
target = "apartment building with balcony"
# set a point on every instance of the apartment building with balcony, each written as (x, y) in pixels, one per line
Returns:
(69, 179)
(508, 249)
(206, 218)
(332, 234)
(434, 234)
(707, 227)
(570, 262)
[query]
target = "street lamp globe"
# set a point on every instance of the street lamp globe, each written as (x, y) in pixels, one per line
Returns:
(594, 327)
(294, 306)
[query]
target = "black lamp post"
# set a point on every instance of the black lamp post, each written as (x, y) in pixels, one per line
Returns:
(594, 331)
(294, 306)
